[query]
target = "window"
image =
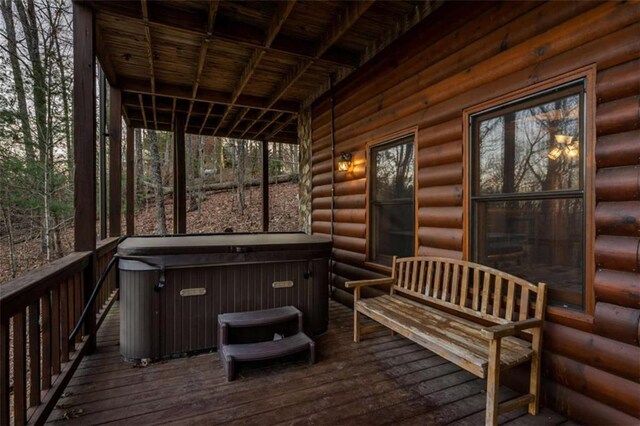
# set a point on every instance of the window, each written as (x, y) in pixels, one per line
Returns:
(527, 191)
(392, 201)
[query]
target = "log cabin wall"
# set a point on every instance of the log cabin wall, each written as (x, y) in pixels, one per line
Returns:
(466, 54)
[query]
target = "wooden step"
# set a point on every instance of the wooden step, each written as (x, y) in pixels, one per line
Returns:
(290, 345)
(260, 318)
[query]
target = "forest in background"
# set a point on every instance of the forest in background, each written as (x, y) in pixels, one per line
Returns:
(36, 154)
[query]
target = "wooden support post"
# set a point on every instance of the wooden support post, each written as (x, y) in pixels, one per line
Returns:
(84, 141)
(102, 134)
(115, 162)
(179, 178)
(131, 182)
(265, 186)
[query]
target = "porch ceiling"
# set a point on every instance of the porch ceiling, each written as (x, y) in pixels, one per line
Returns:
(237, 69)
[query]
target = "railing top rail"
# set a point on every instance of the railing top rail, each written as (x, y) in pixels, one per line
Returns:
(20, 292)
(106, 245)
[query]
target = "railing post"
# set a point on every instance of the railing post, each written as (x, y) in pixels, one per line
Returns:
(115, 162)
(265, 186)
(131, 183)
(84, 140)
(179, 182)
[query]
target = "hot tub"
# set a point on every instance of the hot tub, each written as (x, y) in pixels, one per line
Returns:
(173, 288)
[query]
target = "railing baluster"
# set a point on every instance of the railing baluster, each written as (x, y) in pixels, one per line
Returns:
(19, 368)
(34, 353)
(5, 403)
(55, 330)
(64, 322)
(71, 311)
(77, 286)
(46, 340)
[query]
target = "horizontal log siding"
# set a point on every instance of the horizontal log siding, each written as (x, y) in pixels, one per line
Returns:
(459, 57)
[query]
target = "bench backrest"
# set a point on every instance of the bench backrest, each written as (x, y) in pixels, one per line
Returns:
(474, 289)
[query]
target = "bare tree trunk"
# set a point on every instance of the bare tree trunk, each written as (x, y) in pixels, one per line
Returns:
(201, 195)
(6, 216)
(12, 47)
(240, 169)
(156, 172)
(66, 105)
(189, 154)
(219, 146)
(141, 193)
(30, 28)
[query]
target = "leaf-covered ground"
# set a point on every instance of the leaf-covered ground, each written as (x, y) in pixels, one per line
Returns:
(218, 212)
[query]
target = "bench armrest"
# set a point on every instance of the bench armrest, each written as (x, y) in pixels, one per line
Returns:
(504, 330)
(364, 283)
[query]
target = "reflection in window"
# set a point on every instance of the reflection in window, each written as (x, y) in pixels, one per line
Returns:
(528, 192)
(392, 208)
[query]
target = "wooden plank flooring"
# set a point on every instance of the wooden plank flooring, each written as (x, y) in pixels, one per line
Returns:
(384, 379)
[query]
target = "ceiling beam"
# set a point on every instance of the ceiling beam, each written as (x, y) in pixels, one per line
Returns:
(272, 135)
(239, 117)
(205, 95)
(282, 137)
(269, 123)
(204, 48)
(349, 15)
(206, 117)
(144, 115)
(282, 13)
(225, 29)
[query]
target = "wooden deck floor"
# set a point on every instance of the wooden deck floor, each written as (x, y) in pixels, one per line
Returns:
(381, 380)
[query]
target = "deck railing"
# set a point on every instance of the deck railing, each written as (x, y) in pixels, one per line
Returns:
(38, 311)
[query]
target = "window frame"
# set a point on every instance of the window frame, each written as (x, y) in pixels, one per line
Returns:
(519, 98)
(371, 146)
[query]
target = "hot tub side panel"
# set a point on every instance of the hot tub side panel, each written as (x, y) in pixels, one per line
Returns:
(188, 322)
(139, 314)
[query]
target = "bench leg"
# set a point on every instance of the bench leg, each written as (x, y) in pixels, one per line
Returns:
(356, 325)
(493, 383)
(534, 380)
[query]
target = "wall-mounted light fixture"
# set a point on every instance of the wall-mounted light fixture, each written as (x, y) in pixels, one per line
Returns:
(564, 144)
(344, 164)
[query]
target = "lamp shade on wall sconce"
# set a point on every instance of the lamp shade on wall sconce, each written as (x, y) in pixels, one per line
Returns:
(555, 153)
(565, 144)
(344, 164)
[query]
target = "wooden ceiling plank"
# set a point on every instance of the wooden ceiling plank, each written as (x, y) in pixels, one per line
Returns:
(351, 13)
(231, 31)
(204, 48)
(347, 18)
(281, 15)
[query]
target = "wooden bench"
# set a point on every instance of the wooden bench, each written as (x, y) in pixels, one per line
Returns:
(469, 314)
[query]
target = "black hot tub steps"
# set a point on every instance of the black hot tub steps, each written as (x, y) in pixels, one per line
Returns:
(262, 317)
(258, 351)
(265, 350)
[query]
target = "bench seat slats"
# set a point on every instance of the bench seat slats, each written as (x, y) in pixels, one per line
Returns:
(440, 331)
